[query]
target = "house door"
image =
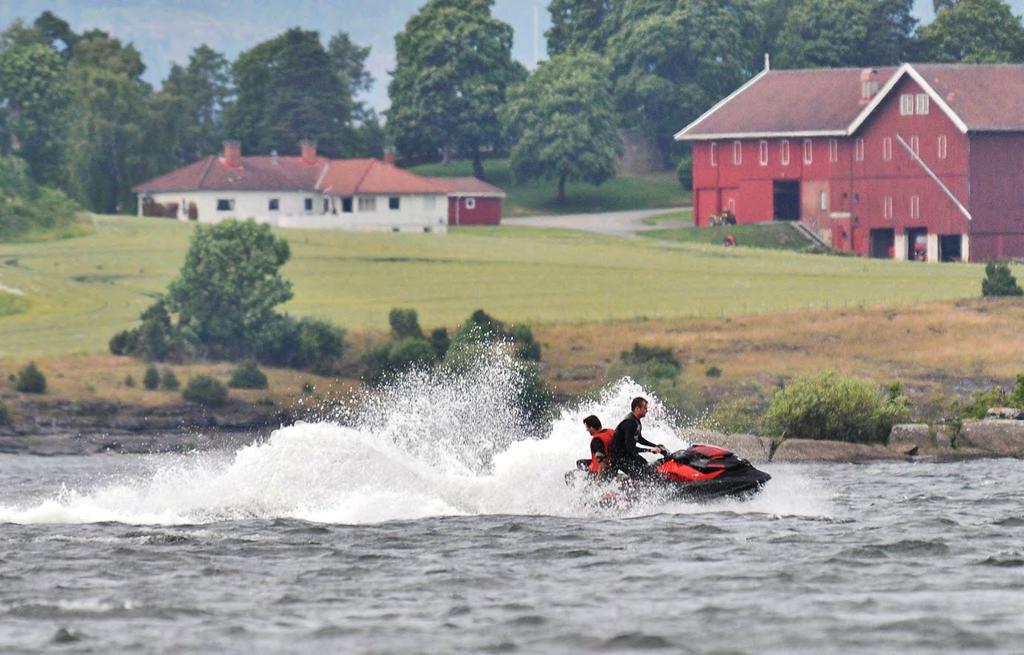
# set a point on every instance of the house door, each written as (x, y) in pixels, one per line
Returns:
(882, 243)
(786, 199)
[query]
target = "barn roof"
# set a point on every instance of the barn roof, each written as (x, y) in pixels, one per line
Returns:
(468, 186)
(827, 101)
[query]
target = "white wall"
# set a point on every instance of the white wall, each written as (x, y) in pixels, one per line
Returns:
(416, 213)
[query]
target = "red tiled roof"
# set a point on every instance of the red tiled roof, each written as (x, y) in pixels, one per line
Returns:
(373, 177)
(468, 186)
(982, 97)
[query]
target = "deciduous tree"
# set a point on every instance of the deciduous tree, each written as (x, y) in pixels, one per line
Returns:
(973, 31)
(845, 33)
(204, 87)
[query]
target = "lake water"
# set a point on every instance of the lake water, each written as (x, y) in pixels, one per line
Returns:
(433, 525)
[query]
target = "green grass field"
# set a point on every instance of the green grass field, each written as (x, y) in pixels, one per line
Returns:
(539, 197)
(774, 236)
(81, 291)
(685, 215)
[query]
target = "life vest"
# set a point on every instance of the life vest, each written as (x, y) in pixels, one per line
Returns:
(606, 440)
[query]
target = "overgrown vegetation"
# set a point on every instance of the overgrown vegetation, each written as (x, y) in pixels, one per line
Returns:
(205, 390)
(999, 281)
(151, 378)
(169, 381)
(26, 207)
(247, 375)
(831, 406)
(5, 414)
(658, 369)
(30, 379)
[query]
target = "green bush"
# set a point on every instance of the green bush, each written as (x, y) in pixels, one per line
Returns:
(982, 401)
(481, 327)
(169, 380)
(830, 406)
(205, 390)
(321, 346)
(26, 207)
(440, 342)
(31, 380)
(713, 372)
(684, 172)
(5, 415)
(654, 361)
(1018, 393)
(742, 415)
(999, 281)
(387, 361)
(129, 381)
(247, 375)
(405, 323)
(151, 378)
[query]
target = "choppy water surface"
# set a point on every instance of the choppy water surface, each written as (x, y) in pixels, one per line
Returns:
(434, 525)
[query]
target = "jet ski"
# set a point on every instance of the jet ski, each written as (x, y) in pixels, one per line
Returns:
(699, 473)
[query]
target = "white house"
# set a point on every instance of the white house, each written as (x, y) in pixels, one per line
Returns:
(308, 191)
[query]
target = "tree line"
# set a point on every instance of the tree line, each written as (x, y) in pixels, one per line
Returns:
(75, 108)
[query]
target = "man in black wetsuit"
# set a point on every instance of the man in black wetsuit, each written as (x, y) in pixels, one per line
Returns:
(624, 455)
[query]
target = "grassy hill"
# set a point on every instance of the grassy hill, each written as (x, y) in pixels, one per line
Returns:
(774, 236)
(539, 197)
(79, 292)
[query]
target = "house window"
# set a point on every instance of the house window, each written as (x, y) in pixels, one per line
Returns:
(327, 205)
(394, 202)
(808, 151)
(887, 148)
(346, 204)
(921, 103)
(713, 154)
(915, 145)
(367, 204)
(915, 206)
(887, 207)
(823, 198)
(858, 150)
(942, 146)
(762, 153)
(833, 150)
(784, 152)
(737, 153)
(906, 104)
(225, 204)
(308, 204)
(274, 204)
(470, 203)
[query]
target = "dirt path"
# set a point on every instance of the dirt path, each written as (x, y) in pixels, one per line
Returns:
(623, 224)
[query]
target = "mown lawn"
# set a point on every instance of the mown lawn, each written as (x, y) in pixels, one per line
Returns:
(776, 236)
(81, 291)
(540, 197)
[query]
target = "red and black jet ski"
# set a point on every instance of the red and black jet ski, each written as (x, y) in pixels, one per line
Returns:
(701, 472)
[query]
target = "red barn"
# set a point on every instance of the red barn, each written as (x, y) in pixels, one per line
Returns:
(471, 201)
(923, 161)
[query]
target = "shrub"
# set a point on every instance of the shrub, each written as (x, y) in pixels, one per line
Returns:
(129, 381)
(999, 281)
(405, 323)
(713, 372)
(481, 327)
(151, 378)
(684, 172)
(205, 390)
(742, 415)
(440, 342)
(31, 380)
(655, 361)
(982, 401)
(5, 416)
(169, 380)
(829, 406)
(320, 346)
(308, 387)
(1018, 393)
(247, 376)
(386, 361)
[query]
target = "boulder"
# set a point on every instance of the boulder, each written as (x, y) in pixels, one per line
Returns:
(820, 450)
(995, 437)
(1012, 413)
(925, 437)
(748, 446)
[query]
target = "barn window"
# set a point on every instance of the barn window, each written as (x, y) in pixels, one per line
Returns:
(346, 204)
(367, 204)
(942, 146)
(887, 207)
(887, 148)
(394, 202)
(737, 153)
(762, 153)
(713, 154)
(784, 152)
(808, 151)
(470, 203)
(308, 204)
(225, 204)
(915, 206)
(922, 103)
(823, 198)
(858, 150)
(274, 204)
(915, 145)
(833, 150)
(906, 104)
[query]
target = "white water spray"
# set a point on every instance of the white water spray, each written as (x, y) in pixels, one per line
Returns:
(426, 445)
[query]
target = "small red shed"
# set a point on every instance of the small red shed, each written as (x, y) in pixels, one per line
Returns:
(471, 201)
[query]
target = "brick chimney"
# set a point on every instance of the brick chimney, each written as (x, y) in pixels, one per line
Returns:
(389, 157)
(308, 151)
(868, 84)
(232, 154)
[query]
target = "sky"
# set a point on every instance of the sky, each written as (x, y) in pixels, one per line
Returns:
(166, 31)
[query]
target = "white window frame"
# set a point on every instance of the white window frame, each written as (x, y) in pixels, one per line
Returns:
(470, 203)
(394, 203)
(915, 206)
(823, 200)
(858, 150)
(230, 202)
(737, 153)
(713, 155)
(833, 150)
(907, 104)
(367, 203)
(271, 202)
(921, 104)
(915, 145)
(887, 149)
(808, 151)
(762, 151)
(941, 146)
(887, 207)
(784, 152)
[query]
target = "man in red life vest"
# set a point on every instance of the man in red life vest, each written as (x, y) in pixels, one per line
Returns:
(600, 444)
(624, 455)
